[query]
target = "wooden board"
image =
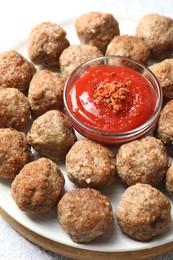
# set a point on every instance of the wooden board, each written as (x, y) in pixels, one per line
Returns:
(80, 254)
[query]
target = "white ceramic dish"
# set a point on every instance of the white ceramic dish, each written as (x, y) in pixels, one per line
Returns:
(47, 224)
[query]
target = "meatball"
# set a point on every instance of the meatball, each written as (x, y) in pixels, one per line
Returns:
(169, 181)
(130, 47)
(98, 29)
(165, 126)
(52, 135)
(14, 152)
(143, 212)
(46, 92)
(75, 55)
(164, 73)
(90, 164)
(15, 111)
(38, 187)
(142, 161)
(85, 214)
(46, 42)
(15, 71)
(157, 30)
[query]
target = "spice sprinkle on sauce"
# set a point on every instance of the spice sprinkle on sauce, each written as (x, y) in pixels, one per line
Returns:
(112, 95)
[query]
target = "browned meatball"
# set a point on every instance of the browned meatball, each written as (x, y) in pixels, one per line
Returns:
(90, 164)
(52, 135)
(169, 181)
(85, 214)
(46, 42)
(75, 55)
(38, 186)
(157, 30)
(15, 71)
(164, 73)
(14, 109)
(142, 161)
(130, 47)
(143, 212)
(96, 28)
(165, 126)
(14, 152)
(45, 92)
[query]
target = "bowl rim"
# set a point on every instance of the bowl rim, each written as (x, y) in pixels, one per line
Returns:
(141, 128)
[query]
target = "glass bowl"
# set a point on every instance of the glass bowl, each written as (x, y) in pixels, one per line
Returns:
(113, 137)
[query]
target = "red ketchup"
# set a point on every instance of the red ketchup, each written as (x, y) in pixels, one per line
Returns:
(112, 99)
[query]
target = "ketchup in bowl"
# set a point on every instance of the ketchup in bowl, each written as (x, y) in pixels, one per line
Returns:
(112, 103)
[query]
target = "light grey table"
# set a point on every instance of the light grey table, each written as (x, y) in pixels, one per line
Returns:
(16, 19)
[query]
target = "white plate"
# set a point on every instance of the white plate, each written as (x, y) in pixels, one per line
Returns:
(47, 224)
